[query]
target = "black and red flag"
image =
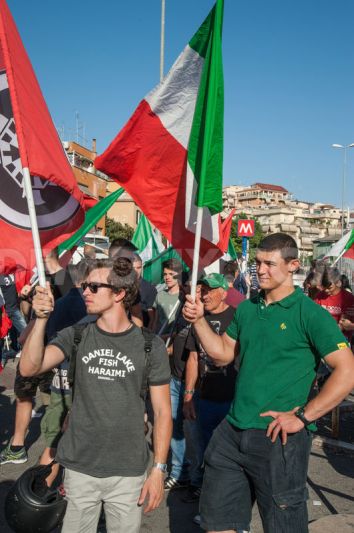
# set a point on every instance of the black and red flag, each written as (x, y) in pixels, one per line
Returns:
(28, 139)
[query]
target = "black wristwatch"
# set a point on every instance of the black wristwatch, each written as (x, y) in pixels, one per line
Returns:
(300, 413)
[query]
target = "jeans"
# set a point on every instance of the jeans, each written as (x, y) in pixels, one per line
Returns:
(18, 320)
(210, 415)
(18, 325)
(241, 465)
(180, 465)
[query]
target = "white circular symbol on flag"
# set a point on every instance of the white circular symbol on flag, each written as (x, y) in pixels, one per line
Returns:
(54, 206)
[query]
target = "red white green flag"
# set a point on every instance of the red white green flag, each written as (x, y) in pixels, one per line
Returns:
(169, 155)
(343, 248)
(147, 241)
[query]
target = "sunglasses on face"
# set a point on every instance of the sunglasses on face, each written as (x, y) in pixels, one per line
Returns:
(93, 286)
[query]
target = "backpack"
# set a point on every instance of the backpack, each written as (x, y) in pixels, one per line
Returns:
(148, 338)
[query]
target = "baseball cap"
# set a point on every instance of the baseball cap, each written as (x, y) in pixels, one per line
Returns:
(215, 281)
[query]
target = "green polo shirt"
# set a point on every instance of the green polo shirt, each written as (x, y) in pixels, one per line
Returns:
(281, 345)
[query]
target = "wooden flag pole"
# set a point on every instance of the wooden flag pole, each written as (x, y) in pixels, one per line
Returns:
(34, 226)
(198, 234)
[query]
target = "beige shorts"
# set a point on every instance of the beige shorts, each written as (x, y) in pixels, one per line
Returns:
(85, 495)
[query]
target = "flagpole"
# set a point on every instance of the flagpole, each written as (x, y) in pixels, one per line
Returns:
(162, 59)
(198, 235)
(34, 226)
(162, 45)
(339, 257)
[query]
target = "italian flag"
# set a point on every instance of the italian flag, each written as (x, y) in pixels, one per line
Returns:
(169, 154)
(230, 254)
(148, 243)
(343, 248)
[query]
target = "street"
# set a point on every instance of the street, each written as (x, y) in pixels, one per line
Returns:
(330, 480)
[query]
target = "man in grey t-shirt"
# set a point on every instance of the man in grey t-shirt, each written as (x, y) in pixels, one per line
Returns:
(166, 301)
(103, 449)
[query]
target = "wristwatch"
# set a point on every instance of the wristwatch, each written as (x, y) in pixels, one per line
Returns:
(160, 466)
(300, 413)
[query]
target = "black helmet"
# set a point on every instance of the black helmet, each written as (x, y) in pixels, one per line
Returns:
(32, 507)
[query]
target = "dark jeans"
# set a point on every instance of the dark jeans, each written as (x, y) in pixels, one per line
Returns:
(241, 465)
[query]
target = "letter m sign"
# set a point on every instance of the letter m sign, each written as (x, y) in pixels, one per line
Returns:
(245, 228)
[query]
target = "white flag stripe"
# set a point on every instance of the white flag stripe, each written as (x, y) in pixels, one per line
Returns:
(174, 99)
(210, 224)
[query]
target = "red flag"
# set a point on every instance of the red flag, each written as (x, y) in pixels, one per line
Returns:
(89, 201)
(226, 230)
(28, 138)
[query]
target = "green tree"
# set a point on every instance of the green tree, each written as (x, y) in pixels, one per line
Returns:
(115, 229)
(254, 241)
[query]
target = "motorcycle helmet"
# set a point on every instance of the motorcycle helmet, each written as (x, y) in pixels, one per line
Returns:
(33, 507)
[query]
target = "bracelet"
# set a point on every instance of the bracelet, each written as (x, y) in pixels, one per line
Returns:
(189, 391)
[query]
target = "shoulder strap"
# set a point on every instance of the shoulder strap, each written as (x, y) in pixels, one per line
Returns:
(148, 338)
(78, 331)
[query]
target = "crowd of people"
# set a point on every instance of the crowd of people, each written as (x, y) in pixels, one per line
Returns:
(226, 380)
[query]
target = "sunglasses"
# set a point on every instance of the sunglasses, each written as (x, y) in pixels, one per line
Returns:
(93, 287)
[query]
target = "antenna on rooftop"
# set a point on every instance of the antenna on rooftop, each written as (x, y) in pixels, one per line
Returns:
(80, 130)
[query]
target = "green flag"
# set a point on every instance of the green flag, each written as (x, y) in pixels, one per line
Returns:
(147, 243)
(92, 216)
(205, 148)
(231, 252)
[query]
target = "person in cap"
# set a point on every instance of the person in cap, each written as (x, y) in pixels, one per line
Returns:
(262, 448)
(209, 389)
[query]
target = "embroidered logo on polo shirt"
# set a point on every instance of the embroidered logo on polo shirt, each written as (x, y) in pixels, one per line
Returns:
(342, 345)
(283, 326)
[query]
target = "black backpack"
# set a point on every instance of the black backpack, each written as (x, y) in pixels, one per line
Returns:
(78, 331)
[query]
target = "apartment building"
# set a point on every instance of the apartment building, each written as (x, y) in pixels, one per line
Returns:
(91, 182)
(276, 210)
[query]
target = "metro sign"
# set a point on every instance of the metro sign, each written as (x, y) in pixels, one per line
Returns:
(245, 228)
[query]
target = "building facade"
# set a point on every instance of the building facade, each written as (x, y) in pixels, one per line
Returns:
(91, 182)
(124, 209)
(277, 211)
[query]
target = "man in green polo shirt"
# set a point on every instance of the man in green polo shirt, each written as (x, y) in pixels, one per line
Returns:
(261, 449)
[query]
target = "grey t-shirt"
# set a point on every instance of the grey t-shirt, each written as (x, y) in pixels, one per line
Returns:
(164, 304)
(105, 435)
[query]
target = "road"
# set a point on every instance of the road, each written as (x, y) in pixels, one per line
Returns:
(330, 480)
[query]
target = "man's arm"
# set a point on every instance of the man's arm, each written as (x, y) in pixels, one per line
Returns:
(137, 315)
(34, 358)
(153, 487)
(346, 324)
(337, 387)
(25, 305)
(190, 380)
(221, 348)
(151, 315)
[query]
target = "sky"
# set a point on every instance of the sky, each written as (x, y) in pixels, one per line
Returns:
(288, 70)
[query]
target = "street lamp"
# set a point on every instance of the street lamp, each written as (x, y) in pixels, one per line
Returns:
(344, 148)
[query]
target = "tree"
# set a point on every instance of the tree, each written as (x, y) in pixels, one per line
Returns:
(115, 229)
(254, 241)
